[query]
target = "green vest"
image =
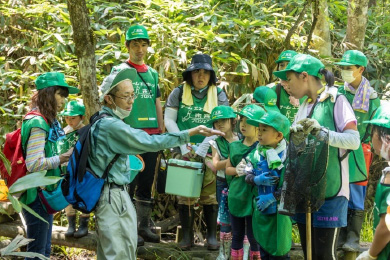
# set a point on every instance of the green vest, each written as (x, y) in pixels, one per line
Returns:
(284, 103)
(323, 113)
(357, 165)
(193, 116)
(240, 193)
(380, 208)
(144, 113)
(50, 151)
(223, 146)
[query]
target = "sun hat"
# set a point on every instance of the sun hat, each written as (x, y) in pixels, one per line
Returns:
(73, 108)
(200, 61)
(252, 111)
(300, 63)
(381, 116)
(137, 32)
(353, 57)
(266, 97)
(116, 76)
(51, 79)
(286, 56)
(274, 119)
(221, 112)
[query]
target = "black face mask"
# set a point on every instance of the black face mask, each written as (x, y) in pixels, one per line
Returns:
(56, 133)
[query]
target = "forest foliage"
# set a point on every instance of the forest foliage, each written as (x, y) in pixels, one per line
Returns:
(244, 37)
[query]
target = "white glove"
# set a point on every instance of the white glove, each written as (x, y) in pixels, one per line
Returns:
(365, 256)
(310, 126)
(240, 168)
(297, 135)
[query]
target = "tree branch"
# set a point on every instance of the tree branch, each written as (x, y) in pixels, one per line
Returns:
(313, 25)
(287, 43)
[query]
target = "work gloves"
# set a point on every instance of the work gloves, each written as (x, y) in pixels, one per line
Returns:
(264, 201)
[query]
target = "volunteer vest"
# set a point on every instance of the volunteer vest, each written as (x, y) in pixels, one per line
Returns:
(284, 104)
(144, 114)
(193, 116)
(223, 147)
(380, 207)
(356, 161)
(50, 151)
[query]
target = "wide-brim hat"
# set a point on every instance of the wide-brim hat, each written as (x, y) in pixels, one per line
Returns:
(251, 111)
(73, 108)
(200, 61)
(381, 117)
(51, 79)
(221, 112)
(274, 119)
(117, 75)
(353, 57)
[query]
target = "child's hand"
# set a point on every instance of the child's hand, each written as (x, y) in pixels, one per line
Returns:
(266, 179)
(249, 179)
(264, 201)
(240, 168)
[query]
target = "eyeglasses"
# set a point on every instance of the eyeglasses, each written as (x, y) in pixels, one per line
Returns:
(127, 99)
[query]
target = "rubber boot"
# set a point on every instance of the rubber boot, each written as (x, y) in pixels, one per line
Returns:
(221, 255)
(210, 216)
(71, 226)
(140, 241)
(186, 214)
(343, 231)
(255, 255)
(237, 254)
(144, 211)
(354, 227)
(246, 248)
(83, 227)
(227, 245)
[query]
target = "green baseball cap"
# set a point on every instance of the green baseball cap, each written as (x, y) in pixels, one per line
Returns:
(221, 112)
(51, 79)
(286, 56)
(300, 63)
(266, 97)
(252, 111)
(137, 32)
(73, 108)
(353, 57)
(117, 75)
(381, 117)
(275, 119)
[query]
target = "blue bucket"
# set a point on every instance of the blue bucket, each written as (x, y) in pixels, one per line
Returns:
(136, 166)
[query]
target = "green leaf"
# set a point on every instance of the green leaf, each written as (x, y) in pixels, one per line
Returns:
(33, 180)
(15, 203)
(6, 163)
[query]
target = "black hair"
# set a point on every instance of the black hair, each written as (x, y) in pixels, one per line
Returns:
(329, 77)
(380, 130)
(137, 40)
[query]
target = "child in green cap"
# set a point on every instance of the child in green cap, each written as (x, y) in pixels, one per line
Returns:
(223, 119)
(317, 117)
(271, 230)
(74, 115)
(240, 193)
(380, 136)
(364, 101)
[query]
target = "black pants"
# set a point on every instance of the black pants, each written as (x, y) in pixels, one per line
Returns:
(144, 180)
(323, 242)
(240, 227)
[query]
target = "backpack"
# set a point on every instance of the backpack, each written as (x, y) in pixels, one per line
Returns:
(13, 151)
(81, 187)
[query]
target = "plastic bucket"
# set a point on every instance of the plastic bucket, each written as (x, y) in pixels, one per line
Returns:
(136, 165)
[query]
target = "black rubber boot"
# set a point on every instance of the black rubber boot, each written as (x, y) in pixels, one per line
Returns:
(144, 210)
(353, 231)
(186, 214)
(210, 217)
(140, 241)
(71, 226)
(343, 232)
(83, 227)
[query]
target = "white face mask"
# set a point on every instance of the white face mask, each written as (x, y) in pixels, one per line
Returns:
(347, 76)
(119, 112)
(385, 151)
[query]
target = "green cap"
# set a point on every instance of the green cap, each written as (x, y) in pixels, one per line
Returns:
(221, 112)
(301, 63)
(252, 111)
(353, 57)
(73, 108)
(116, 76)
(381, 117)
(137, 32)
(286, 56)
(275, 119)
(266, 97)
(51, 79)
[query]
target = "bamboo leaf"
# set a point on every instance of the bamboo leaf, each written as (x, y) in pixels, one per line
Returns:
(32, 180)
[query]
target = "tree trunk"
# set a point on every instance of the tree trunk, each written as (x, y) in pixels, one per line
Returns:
(84, 41)
(357, 22)
(321, 41)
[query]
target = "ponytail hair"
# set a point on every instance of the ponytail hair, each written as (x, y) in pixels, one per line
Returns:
(329, 77)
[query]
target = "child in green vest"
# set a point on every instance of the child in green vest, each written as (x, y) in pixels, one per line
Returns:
(271, 230)
(364, 101)
(223, 119)
(328, 116)
(266, 97)
(240, 193)
(380, 247)
(74, 115)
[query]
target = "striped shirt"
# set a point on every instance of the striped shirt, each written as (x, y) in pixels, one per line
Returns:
(35, 154)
